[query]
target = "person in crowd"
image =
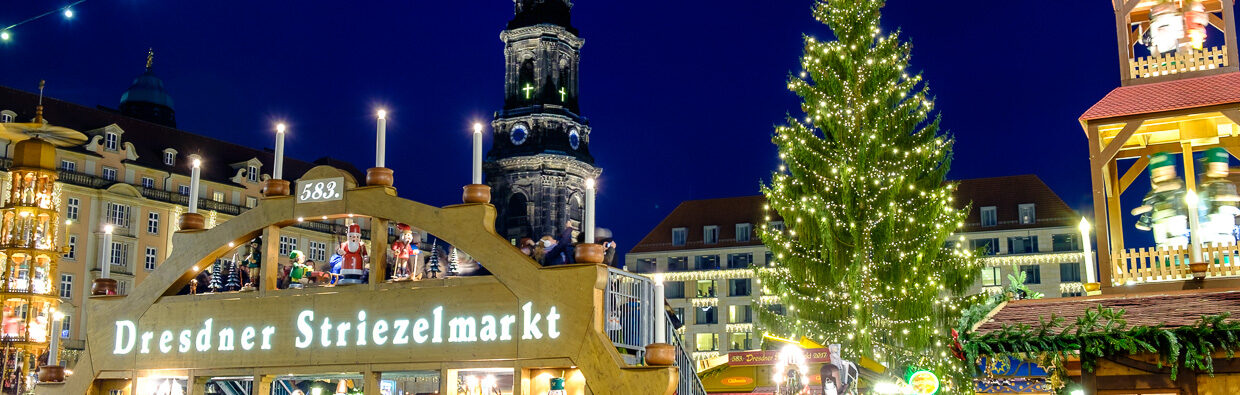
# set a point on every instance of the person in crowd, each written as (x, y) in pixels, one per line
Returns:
(545, 244)
(526, 245)
(561, 253)
(609, 255)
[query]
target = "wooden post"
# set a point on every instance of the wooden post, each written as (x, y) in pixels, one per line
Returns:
(378, 251)
(1229, 17)
(1122, 28)
(269, 268)
(1101, 225)
(370, 379)
(196, 385)
(262, 384)
(449, 376)
(1115, 216)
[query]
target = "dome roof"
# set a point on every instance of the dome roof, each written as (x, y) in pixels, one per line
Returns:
(147, 88)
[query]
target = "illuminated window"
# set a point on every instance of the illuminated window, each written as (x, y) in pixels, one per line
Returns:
(1027, 214)
(740, 314)
(218, 196)
(741, 341)
(707, 342)
(991, 277)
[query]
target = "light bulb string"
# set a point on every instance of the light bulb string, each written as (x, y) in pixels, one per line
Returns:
(37, 17)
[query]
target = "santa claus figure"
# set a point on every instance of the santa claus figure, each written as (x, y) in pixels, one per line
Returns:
(353, 252)
(405, 250)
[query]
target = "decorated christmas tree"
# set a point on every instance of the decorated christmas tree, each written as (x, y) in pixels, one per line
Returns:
(433, 265)
(234, 277)
(861, 259)
(217, 277)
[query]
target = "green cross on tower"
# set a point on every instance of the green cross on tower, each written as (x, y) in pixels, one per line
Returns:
(528, 88)
(563, 94)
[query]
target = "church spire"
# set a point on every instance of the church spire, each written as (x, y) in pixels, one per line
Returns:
(150, 58)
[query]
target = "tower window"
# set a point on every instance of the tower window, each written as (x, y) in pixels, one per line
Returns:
(110, 140)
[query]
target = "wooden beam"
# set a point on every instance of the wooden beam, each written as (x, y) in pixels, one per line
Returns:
(1133, 172)
(1129, 5)
(1217, 22)
(1229, 19)
(1100, 210)
(1108, 154)
(1115, 216)
(1174, 148)
(1232, 114)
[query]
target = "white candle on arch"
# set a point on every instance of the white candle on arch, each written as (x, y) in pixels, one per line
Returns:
(277, 172)
(195, 173)
(53, 346)
(381, 140)
(660, 322)
(589, 218)
(106, 260)
(477, 168)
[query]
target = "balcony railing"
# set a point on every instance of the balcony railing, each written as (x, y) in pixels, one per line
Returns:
(1146, 265)
(1178, 62)
(630, 324)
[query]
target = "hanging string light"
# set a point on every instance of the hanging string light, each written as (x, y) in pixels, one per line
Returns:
(67, 12)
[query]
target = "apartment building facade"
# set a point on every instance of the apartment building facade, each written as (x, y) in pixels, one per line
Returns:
(708, 249)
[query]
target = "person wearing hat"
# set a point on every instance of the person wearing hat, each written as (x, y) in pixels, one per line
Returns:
(297, 274)
(408, 265)
(354, 257)
(1220, 201)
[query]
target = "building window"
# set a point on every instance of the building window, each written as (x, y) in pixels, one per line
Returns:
(991, 276)
(706, 288)
(251, 173)
(118, 215)
(739, 287)
(66, 285)
(679, 312)
(122, 288)
(707, 262)
(777, 309)
(677, 264)
(742, 232)
(990, 216)
(1065, 242)
(778, 226)
(287, 244)
(148, 182)
(1027, 214)
(251, 201)
(109, 173)
(120, 255)
(710, 234)
(149, 264)
(169, 158)
(1023, 245)
(1033, 274)
(72, 254)
(71, 210)
(987, 246)
(318, 251)
(674, 289)
(109, 141)
(707, 315)
(1070, 272)
(740, 261)
(740, 314)
(6, 118)
(741, 340)
(646, 265)
(218, 196)
(679, 236)
(152, 223)
(708, 342)
(183, 190)
(68, 165)
(770, 259)
(65, 326)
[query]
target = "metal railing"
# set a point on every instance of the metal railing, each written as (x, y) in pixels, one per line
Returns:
(629, 323)
(631, 315)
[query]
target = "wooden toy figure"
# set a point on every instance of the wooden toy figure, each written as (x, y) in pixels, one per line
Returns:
(1164, 210)
(1219, 199)
(353, 267)
(254, 259)
(297, 276)
(405, 250)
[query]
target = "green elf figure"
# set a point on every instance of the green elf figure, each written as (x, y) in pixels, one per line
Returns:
(254, 259)
(297, 277)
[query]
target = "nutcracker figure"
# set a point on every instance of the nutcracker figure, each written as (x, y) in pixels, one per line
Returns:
(297, 275)
(353, 266)
(254, 260)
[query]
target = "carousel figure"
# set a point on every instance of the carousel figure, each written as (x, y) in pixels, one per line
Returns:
(1164, 210)
(254, 260)
(353, 252)
(1219, 198)
(298, 276)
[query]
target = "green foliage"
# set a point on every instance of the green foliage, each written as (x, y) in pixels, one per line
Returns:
(1103, 332)
(981, 305)
(865, 208)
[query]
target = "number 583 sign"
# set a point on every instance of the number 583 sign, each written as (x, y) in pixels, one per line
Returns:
(322, 190)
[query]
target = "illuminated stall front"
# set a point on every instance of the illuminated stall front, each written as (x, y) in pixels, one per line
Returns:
(515, 331)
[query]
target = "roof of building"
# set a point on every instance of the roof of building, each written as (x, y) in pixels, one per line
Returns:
(1172, 309)
(1006, 194)
(150, 139)
(1167, 96)
(696, 214)
(147, 88)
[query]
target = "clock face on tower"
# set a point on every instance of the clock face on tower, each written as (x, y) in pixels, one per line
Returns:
(519, 134)
(574, 138)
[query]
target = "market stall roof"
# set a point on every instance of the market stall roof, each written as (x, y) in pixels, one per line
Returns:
(1167, 96)
(1170, 309)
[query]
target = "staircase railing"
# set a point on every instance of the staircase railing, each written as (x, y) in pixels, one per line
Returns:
(630, 325)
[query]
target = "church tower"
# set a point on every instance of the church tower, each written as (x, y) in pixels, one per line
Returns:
(540, 157)
(147, 100)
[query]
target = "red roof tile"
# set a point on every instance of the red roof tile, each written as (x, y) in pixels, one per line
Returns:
(1173, 309)
(1166, 96)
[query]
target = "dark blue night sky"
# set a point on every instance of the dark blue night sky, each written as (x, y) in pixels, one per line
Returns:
(682, 95)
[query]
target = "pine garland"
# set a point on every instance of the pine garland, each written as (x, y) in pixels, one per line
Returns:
(1103, 332)
(866, 212)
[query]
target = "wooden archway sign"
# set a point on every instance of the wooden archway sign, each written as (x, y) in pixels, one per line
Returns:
(575, 291)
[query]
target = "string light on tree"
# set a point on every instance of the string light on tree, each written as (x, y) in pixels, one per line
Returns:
(866, 213)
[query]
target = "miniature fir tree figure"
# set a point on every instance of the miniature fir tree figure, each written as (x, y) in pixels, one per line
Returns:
(217, 276)
(861, 259)
(433, 266)
(234, 278)
(453, 260)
